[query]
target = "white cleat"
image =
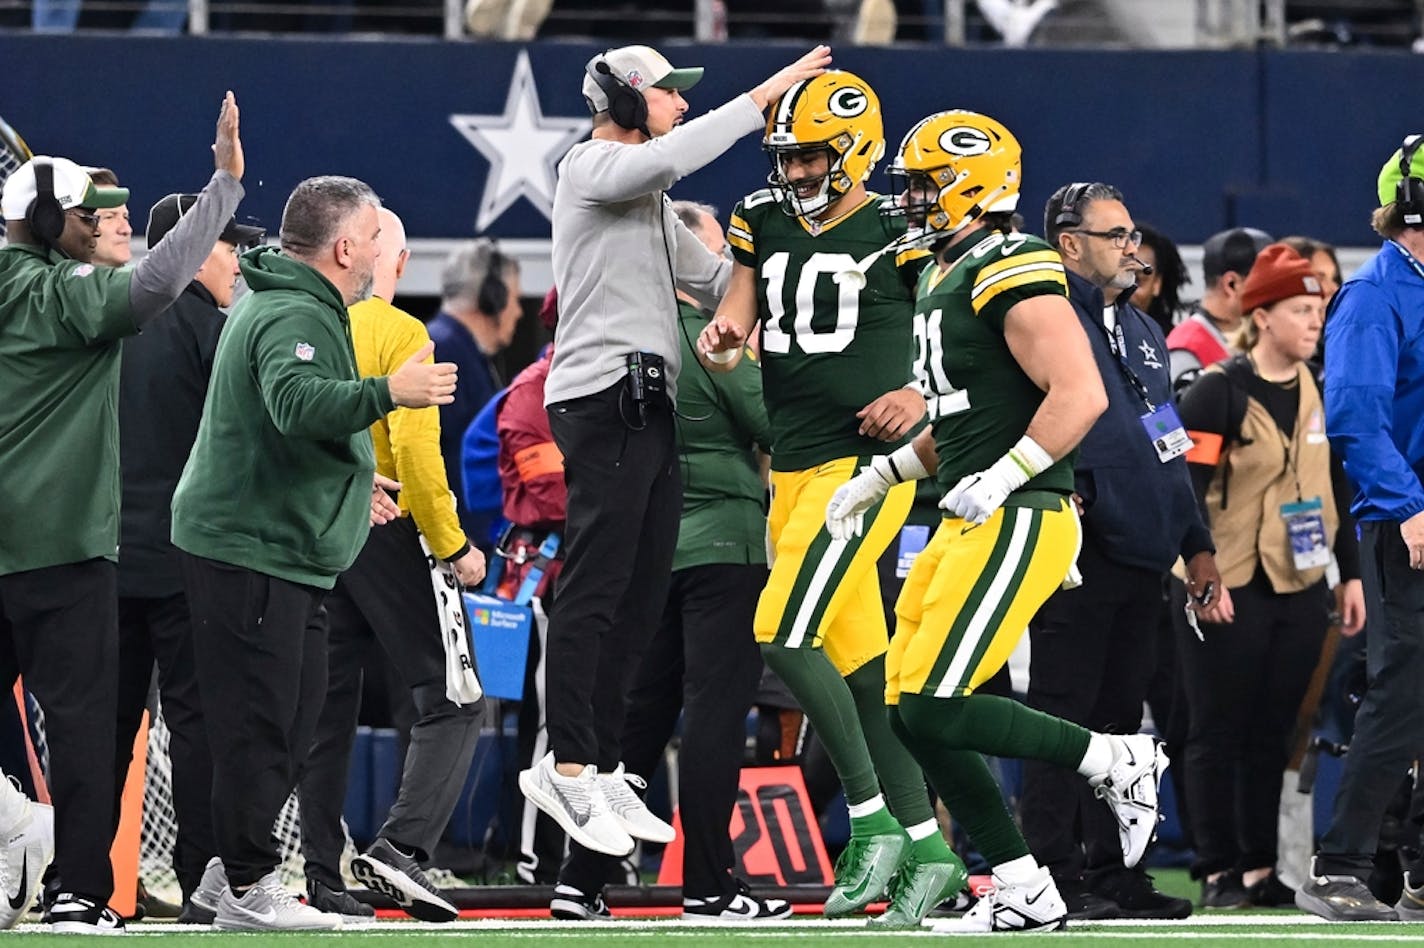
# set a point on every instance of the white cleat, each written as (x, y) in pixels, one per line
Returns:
(1129, 788)
(1029, 906)
(27, 829)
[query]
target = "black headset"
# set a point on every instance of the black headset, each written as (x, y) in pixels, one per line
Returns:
(1068, 213)
(45, 216)
(1409, 193)
(626, 105)
(494, 292)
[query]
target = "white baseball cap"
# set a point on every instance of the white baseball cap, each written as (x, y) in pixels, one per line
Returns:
(638, 66)
(72, 188)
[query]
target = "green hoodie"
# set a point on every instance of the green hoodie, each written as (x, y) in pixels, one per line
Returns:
(279, 480)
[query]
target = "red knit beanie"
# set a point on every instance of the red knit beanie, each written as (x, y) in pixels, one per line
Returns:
(1279, 273)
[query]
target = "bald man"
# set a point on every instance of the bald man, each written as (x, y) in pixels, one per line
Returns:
(388, 596)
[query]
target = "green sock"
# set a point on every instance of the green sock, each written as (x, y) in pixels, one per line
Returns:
(900, 775)
(827, 703)
(962, 779)
(875, 823)
(933, 848)
(1003, 727)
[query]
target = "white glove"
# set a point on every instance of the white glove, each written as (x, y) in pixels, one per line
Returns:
(845, 513)
(977, 496)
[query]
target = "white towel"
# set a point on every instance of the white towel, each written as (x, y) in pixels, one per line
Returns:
(462, 685)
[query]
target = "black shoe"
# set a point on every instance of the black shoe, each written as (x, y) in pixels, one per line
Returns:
(574, 905)
(1135, 895)
(1342, 899)
(1270, 892)
(153, 906)
(387, 870)
(80, 915)
(1226, 892)
(338, 902)
(738, 906)
(1085, 904)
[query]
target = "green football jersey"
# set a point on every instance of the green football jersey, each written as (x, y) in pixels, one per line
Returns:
(828, 349)
(980, 400)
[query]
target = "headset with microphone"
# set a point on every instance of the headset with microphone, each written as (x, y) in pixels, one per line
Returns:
(45, 216)
(626, 105)
(1409, 192)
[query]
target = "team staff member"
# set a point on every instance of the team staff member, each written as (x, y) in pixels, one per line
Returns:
(162, 383)
(840, 389)
(1094, 648)
(1264, 473)
(1374, 397)
(387, 597)
(618, 251)
(1014, 371)
(59, 373)
(274, 503)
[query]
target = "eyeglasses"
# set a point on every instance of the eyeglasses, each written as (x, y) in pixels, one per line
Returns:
(1121, 237)
(89, 219)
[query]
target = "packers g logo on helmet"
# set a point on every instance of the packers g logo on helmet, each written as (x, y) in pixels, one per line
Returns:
(835, 111)
(953, 168)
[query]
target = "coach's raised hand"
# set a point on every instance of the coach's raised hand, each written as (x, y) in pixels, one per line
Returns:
(227, 148)
(807, 67)
(419, 384)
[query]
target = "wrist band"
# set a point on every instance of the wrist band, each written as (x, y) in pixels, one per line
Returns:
(722, 358)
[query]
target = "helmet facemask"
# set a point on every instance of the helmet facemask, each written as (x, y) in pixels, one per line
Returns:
(836, 113)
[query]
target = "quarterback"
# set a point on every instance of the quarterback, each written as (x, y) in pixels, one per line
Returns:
(1011, 387)
(837, 355)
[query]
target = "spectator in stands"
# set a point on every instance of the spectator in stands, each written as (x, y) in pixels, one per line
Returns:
(1094, 646)
(113, 248)
(162, 383)
(1372, 406)
(479, 311)
(63, 318)
(1207, 335)
(618, 252)
(1160, 281)
(1274, 531)
(387, 597)
(531, 473)
(275, 502)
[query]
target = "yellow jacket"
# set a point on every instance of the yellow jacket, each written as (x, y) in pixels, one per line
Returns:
(407, 441)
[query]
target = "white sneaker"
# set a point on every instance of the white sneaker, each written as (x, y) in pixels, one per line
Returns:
(1129, 788)
(267, 906)
(27, 832)
(577, 804)
(202, 905)
(629, 809)
(1021, 907)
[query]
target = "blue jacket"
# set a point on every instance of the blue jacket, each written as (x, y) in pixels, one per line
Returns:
(1139, 511)
(1374, 385)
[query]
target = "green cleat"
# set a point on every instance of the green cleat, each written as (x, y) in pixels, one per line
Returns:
(863, 871)
(917, 888)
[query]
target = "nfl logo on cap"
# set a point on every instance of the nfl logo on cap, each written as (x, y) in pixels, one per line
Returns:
(305, 351)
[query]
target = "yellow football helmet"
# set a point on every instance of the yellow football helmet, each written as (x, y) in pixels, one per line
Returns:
(836, 111)
(952, 168)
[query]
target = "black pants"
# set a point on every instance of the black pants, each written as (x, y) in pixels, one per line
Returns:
(705, 664)
(386, 597)
(161, 630)
(1244, 684)
(1389, 727)
(625, 501)
(59, 629)
(1093, 652)
(260, 642)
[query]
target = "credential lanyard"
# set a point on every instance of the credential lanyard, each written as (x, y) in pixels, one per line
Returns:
(1117, 342)
(1409, 258)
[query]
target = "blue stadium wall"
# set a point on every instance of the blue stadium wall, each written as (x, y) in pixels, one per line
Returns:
(1290, 141)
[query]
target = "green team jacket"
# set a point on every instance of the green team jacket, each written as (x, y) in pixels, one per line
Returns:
(279, 480)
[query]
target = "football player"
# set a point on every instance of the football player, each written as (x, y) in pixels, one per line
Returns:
(1011, 387)
(837, 351)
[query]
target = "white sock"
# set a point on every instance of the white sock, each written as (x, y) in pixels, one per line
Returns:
(1016, 871)
(1098, 758)
(868, 808)
(923, 830)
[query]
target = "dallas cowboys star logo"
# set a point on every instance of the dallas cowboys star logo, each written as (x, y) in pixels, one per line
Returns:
(522, 145)
(1149, 355)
